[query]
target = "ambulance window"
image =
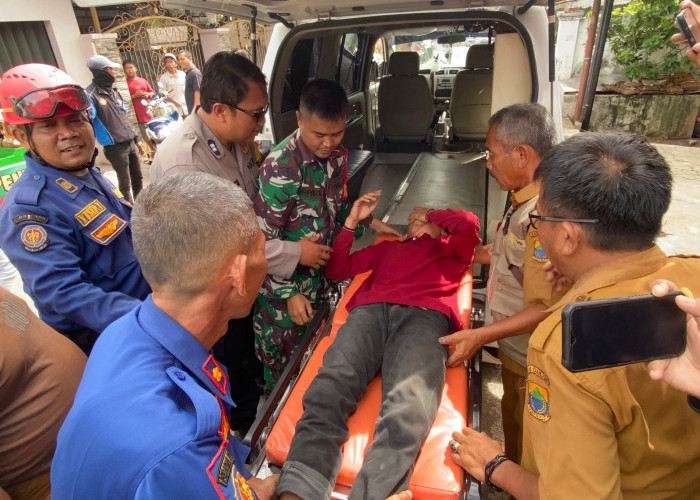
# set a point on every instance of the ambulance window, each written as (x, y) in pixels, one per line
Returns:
(350, 62)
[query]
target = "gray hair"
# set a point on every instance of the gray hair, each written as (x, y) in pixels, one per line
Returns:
(525, 123)
(185, 226)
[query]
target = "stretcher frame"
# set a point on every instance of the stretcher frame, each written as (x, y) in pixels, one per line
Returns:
(324, 324)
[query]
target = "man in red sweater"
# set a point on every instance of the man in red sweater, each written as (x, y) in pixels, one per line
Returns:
(396, 318)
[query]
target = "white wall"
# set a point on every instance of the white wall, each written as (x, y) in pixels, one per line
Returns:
(62, 29)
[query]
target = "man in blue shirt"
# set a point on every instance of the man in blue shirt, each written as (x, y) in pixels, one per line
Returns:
(150, 416)
(65, 227)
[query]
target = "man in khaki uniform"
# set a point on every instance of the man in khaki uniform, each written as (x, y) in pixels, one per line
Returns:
(517, 139)
(40, 370)
(608, 433)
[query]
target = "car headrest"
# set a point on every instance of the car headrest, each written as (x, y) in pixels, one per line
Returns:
(480, 56)
(404, 63)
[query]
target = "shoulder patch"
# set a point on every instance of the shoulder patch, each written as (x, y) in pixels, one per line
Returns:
(537, 401)
(34, 238)
(33, 217)
(90, 212)
(65, 184)
(105, 232)
(538, 252)
(216, 374)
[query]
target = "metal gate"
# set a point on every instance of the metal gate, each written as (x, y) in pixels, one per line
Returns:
(145, 34)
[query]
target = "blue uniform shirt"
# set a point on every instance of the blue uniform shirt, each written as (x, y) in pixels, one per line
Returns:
(147, 419)
(72, 246)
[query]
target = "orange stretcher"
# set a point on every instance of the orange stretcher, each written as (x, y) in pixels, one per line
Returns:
(435, 475)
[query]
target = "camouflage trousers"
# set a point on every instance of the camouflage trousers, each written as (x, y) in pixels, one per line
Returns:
(276, 337)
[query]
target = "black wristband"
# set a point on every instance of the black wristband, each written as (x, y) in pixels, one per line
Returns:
(491, 466)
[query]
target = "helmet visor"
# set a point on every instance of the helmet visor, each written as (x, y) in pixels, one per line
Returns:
(39, 104)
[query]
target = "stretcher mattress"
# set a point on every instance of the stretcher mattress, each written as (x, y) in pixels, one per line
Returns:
(435, 475)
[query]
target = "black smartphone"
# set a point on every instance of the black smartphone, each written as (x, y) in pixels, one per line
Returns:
(685, 29)
(620, 331)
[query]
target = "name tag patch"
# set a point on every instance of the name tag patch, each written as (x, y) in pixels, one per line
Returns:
(309, 192)
(225, 466)
(106, 231)
(34, 238)
(90, 212)
(32, 217)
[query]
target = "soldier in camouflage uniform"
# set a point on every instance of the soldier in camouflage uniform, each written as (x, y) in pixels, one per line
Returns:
(302, 193)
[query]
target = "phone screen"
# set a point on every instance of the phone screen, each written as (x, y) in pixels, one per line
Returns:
(612, 332)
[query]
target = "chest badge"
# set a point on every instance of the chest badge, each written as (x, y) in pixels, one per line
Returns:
(70, 188)
(102, 101)
(216, 374)
(105, 232)
(34, 238)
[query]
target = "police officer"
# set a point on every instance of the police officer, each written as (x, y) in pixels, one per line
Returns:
(217, 138)
(65, 227)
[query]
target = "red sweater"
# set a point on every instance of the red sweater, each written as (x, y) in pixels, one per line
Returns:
(421, 272)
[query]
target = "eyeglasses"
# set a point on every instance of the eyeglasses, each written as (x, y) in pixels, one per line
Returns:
(258, 115)
(39, 104)
(536, 218)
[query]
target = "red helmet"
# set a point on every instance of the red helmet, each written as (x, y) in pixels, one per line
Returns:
(22, 104)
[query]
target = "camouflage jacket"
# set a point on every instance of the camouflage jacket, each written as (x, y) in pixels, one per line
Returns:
(300, 196)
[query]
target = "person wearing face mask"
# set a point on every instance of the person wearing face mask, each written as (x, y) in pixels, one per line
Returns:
(217, 138)
(122, 145)
(65, 227)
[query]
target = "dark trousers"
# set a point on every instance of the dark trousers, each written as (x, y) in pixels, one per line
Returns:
(236, 350)
(402, 342)
(124, 158)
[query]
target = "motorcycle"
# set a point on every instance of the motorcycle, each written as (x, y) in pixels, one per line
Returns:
(166, 118)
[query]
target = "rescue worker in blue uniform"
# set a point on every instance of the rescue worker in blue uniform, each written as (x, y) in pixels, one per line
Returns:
(150, 416)
(65, 227)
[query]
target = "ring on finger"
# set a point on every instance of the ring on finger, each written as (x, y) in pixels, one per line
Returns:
(454, 446)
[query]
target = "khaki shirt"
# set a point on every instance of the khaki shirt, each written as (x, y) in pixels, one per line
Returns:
(39, 373)
(505, 285)
(193, 147)
(614, 432)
